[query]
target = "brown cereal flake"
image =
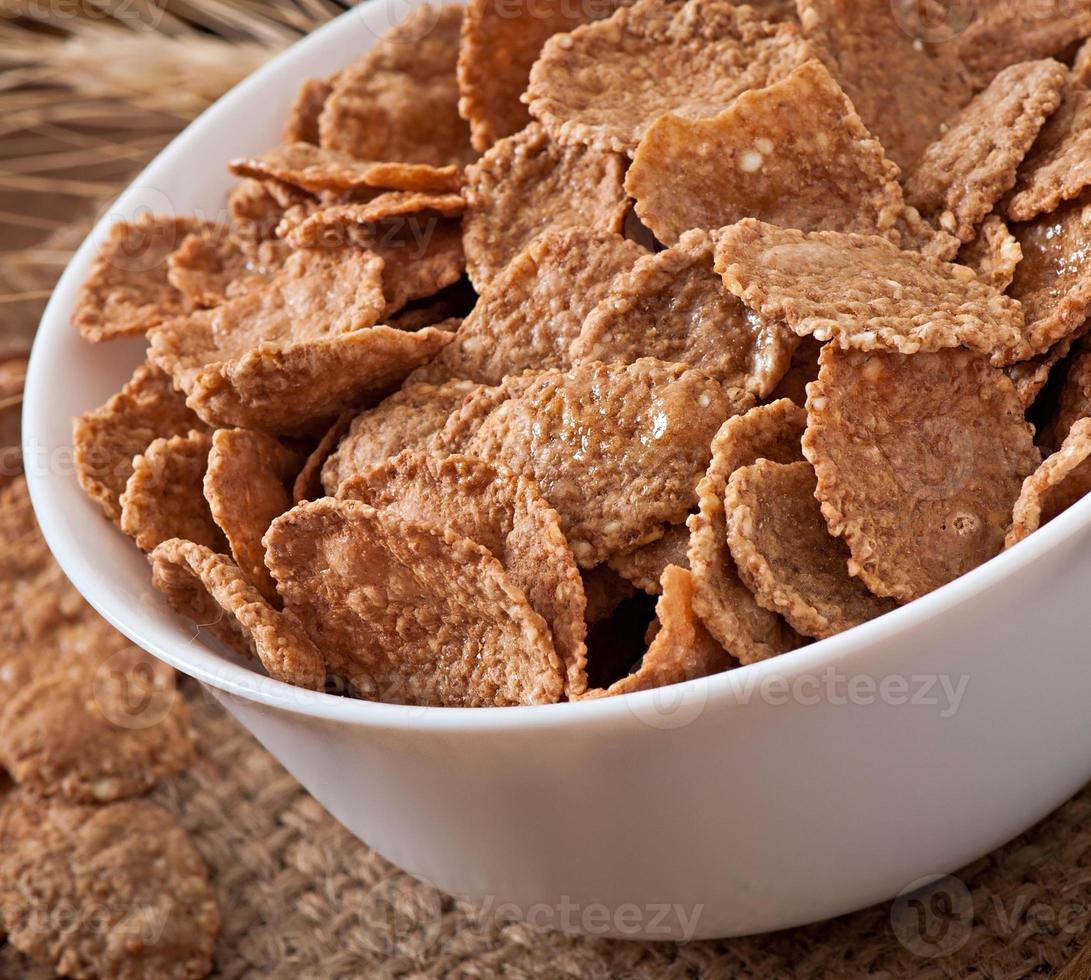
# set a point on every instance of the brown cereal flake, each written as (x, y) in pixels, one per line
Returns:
(409, 613)
(902, 88)
(290, 388)
(726, 606)
(164, 495)
(420, 178)
(993, 254)
(331, 226)
(1053, 280)
(961, 175)
(202, 268)
(415, 178)
(917, 235)
(526, 185)
(127, 291)
(421, 251)
(210, 269)
(604, 84)
(39, 608)
(107, 438)
(865, 293)
(137, 722)
(530, 314)
(314, 169)
(673, 306)
(616, 449)
(786, 555)
(467, 417)
(420, 260)
(1058, 167)
(17, 523)
(681, 650)
(247, 486)
(45, 625)
(644, 566)
(919, 460)
(500, 43)
(61, 634)
(301, 350)
(58, 619)
(402, 421)
(257, 207)
(503, 513)
(134, 891)
(754, 159)
(1030, 376)
(301, 126)
(426, 312)
(263, 261)
(1056, 485)
(1080, 73)
(213, 592)
(317, 293)
(1005, 32)
(400, 100)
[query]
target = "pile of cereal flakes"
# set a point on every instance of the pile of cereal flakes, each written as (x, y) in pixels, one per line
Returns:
(566, 350)
(95, 880)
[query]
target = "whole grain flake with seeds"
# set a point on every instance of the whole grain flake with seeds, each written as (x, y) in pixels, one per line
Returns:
(502, 512)
(755, 160)
(674, 307)
(919, 460)
(537, 312)
(747, 629)
(531, 314)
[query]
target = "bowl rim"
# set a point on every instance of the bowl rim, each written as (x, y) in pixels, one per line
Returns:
(212, 669)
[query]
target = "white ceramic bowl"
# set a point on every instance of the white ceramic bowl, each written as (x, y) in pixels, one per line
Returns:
(785, 792)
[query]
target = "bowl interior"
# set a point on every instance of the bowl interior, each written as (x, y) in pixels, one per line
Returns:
(68, 376)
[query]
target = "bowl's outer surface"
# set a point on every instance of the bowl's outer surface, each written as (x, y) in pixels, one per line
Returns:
(774, 795)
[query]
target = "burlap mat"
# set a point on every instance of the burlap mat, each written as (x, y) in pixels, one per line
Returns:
(302, 898)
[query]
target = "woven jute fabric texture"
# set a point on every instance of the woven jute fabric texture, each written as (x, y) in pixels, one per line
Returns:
(302, 898)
